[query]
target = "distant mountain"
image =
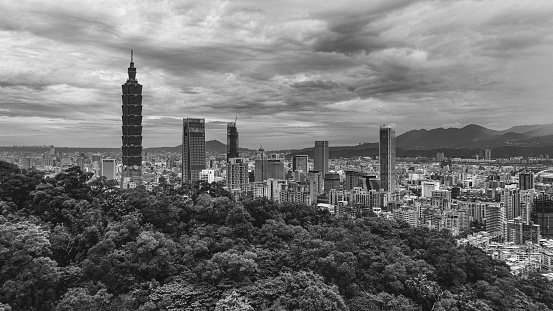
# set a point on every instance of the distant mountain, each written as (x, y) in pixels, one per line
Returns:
(445, 138)
(212, 146)
(523, 128)
(477, 137)
(546, 130)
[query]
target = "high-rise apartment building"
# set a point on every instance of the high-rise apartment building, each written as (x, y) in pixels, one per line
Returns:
(387, 157)
(511, 200)
(132, 129)
(27, 162)
(496, 220)
(80, 163)
(300, 163)
(487, 154)
(352, 180)
(320, 156)
(232, 140)
(193, 149)
(109, 169)
(237, 173)
(207, 176)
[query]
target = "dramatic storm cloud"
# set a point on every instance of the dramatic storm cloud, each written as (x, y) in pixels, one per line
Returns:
(291, 71)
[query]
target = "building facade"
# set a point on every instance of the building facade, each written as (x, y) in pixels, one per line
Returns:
(320, 156)
(526, 181)
(109, 169)
(132, 129)
(300, 163)
(387, 156)
(193, 149)
(237, 173)
(232, 140)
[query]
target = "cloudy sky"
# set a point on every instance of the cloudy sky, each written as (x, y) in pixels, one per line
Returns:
(291, 71)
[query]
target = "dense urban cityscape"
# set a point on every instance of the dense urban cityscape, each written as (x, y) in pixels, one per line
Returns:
(509, 200)
(380, 156)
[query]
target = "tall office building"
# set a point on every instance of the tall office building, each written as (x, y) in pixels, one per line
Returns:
(320, 156)
(109, 168)
(388, 157)
(232, 140)
(300, 163)
(331, 181)
(132, 129)
(193, 149)
(526, 180)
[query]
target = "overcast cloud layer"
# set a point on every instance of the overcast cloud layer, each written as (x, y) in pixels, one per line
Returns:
(292, 71)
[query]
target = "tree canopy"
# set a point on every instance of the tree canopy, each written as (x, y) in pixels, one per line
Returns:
(69, 243)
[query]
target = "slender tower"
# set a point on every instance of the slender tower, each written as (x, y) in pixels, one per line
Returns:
(388, 157)
(131, 174)
(232, 140)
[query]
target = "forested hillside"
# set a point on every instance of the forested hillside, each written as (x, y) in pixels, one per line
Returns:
(70, 244)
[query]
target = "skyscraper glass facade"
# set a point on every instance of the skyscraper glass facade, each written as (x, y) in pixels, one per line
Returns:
(320, 156)
(132, 129)
(193, 149)
(388, 157)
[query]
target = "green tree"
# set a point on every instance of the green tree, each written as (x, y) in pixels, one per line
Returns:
(28, 276)
(296, 291)
(233, 302)
(81, 299)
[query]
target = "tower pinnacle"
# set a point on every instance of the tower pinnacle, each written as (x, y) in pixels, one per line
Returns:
(132, 70)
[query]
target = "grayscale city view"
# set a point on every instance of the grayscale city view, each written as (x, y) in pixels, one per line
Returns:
(276, 155)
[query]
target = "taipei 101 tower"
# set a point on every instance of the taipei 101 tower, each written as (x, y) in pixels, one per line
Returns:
(131, 174)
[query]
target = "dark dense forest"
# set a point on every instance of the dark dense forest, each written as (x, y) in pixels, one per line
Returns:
(70, 244)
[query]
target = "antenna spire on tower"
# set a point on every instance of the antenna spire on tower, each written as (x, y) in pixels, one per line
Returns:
(131, 56)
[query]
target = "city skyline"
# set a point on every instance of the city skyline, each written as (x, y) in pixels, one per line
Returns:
(292, 73)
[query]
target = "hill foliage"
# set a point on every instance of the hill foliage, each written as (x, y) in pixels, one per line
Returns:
(70, 244)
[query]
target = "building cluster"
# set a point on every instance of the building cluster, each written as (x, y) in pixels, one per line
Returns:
(522, 259)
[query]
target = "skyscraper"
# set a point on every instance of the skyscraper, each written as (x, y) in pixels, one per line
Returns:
(193, 148)
(526, 180)
(132, 129)
(232, 140)
(320, 156)
(109, 168)
(387, 157)
(300, 162)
